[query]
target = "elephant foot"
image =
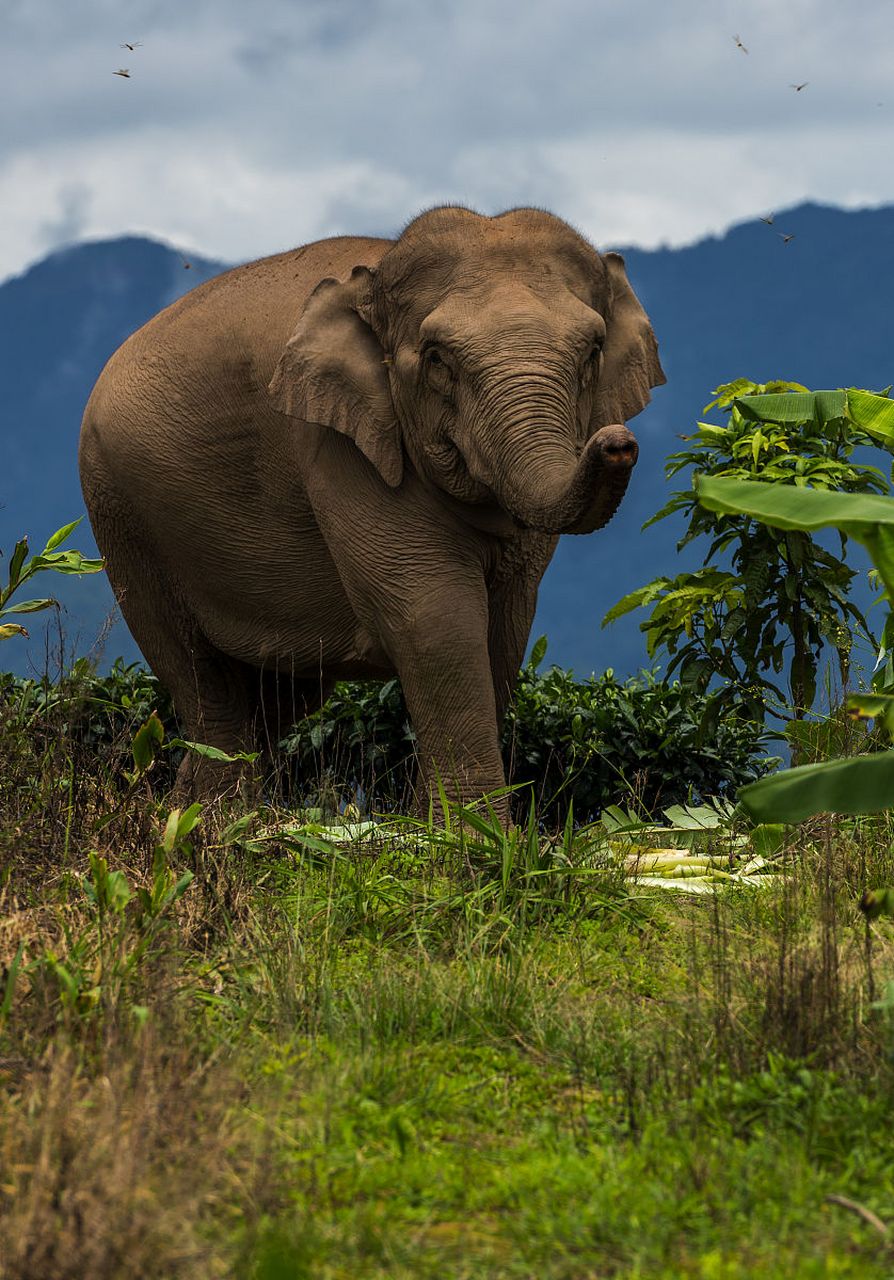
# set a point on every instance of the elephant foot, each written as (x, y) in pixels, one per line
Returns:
(209, 782)
(428, 802)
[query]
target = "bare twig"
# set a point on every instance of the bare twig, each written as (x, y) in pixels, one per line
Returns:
(860, 1210)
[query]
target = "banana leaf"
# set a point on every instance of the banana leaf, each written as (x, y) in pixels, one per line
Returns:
(867, 517)
(864, 784)
(872, 413)
(794, 406)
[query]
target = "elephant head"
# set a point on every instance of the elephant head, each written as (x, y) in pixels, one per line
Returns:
(502, 356)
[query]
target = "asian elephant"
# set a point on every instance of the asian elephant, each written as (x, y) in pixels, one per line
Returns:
(354, 460)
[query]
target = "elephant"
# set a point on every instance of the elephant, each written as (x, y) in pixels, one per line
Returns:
(354, 460)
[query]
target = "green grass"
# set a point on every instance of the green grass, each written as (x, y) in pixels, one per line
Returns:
(411, 1063)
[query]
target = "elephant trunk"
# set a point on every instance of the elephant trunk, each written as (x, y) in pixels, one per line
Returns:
(547, 482)
(577, 495)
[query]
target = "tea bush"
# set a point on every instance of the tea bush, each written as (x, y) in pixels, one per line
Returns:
(586, 743)
(640, 741)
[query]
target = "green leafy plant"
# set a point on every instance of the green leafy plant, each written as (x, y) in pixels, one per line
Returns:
(783, 596)
(22, 569)
(602, 741)
(360, 740)
(864, 784)
(100, 964)
(95, 708)
(581, 743)
(150, 740)
(788, 1094)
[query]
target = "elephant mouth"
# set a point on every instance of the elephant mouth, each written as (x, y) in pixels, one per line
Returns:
(447, 467)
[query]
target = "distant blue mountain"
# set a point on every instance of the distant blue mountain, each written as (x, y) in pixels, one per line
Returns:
(744, 304)
(60, 322)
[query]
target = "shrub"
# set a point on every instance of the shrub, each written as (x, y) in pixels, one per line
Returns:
(603, 741)
(587, 743)
(99, 713)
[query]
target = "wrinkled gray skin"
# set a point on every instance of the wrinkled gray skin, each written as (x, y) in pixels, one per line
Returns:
(354, 460)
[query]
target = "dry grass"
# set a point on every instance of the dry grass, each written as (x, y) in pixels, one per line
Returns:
(115, 1172)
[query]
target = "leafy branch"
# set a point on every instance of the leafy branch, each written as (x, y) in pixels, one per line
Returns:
(21, 569)
(784, 597)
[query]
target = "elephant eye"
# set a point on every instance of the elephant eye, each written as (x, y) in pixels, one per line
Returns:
(591, 362)
(437, 368)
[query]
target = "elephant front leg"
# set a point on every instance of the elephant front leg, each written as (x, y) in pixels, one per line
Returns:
(442, 658)
(511, 607)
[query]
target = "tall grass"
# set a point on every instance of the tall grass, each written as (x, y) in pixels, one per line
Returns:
(481, 1054)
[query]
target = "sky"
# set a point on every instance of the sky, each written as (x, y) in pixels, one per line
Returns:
(245, 128)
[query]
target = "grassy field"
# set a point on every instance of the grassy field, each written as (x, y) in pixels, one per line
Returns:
(412, 1059)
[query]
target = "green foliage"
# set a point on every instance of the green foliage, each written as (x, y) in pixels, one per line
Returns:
(787, 1096)
(21, 569)
(704, 846)
(581, 744)
(101, 969)
(866, 518)
(149, 742)
(785, 596)
(99, 714)
(641, 741)
(125, 715)
(93, 709)
(512, 878)
(361, 738)
(864, 784)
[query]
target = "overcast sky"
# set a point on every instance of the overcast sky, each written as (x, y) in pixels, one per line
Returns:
(249, 126)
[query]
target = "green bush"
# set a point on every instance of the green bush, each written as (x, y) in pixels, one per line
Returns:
(95, 709)
(362, 740)
(590, 743)
(98, 713)
(640, 741)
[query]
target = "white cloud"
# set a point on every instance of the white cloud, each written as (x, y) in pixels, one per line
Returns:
(208, 200)
(245, 129)
(71, 219)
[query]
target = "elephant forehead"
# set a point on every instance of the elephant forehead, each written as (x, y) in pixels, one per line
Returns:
(517, 308)
(418, 273)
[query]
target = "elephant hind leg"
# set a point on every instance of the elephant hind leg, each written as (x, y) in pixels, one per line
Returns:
(211, 692)
(214, 704)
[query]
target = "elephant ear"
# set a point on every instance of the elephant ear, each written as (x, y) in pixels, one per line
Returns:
(332, 372)
(630, 366)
